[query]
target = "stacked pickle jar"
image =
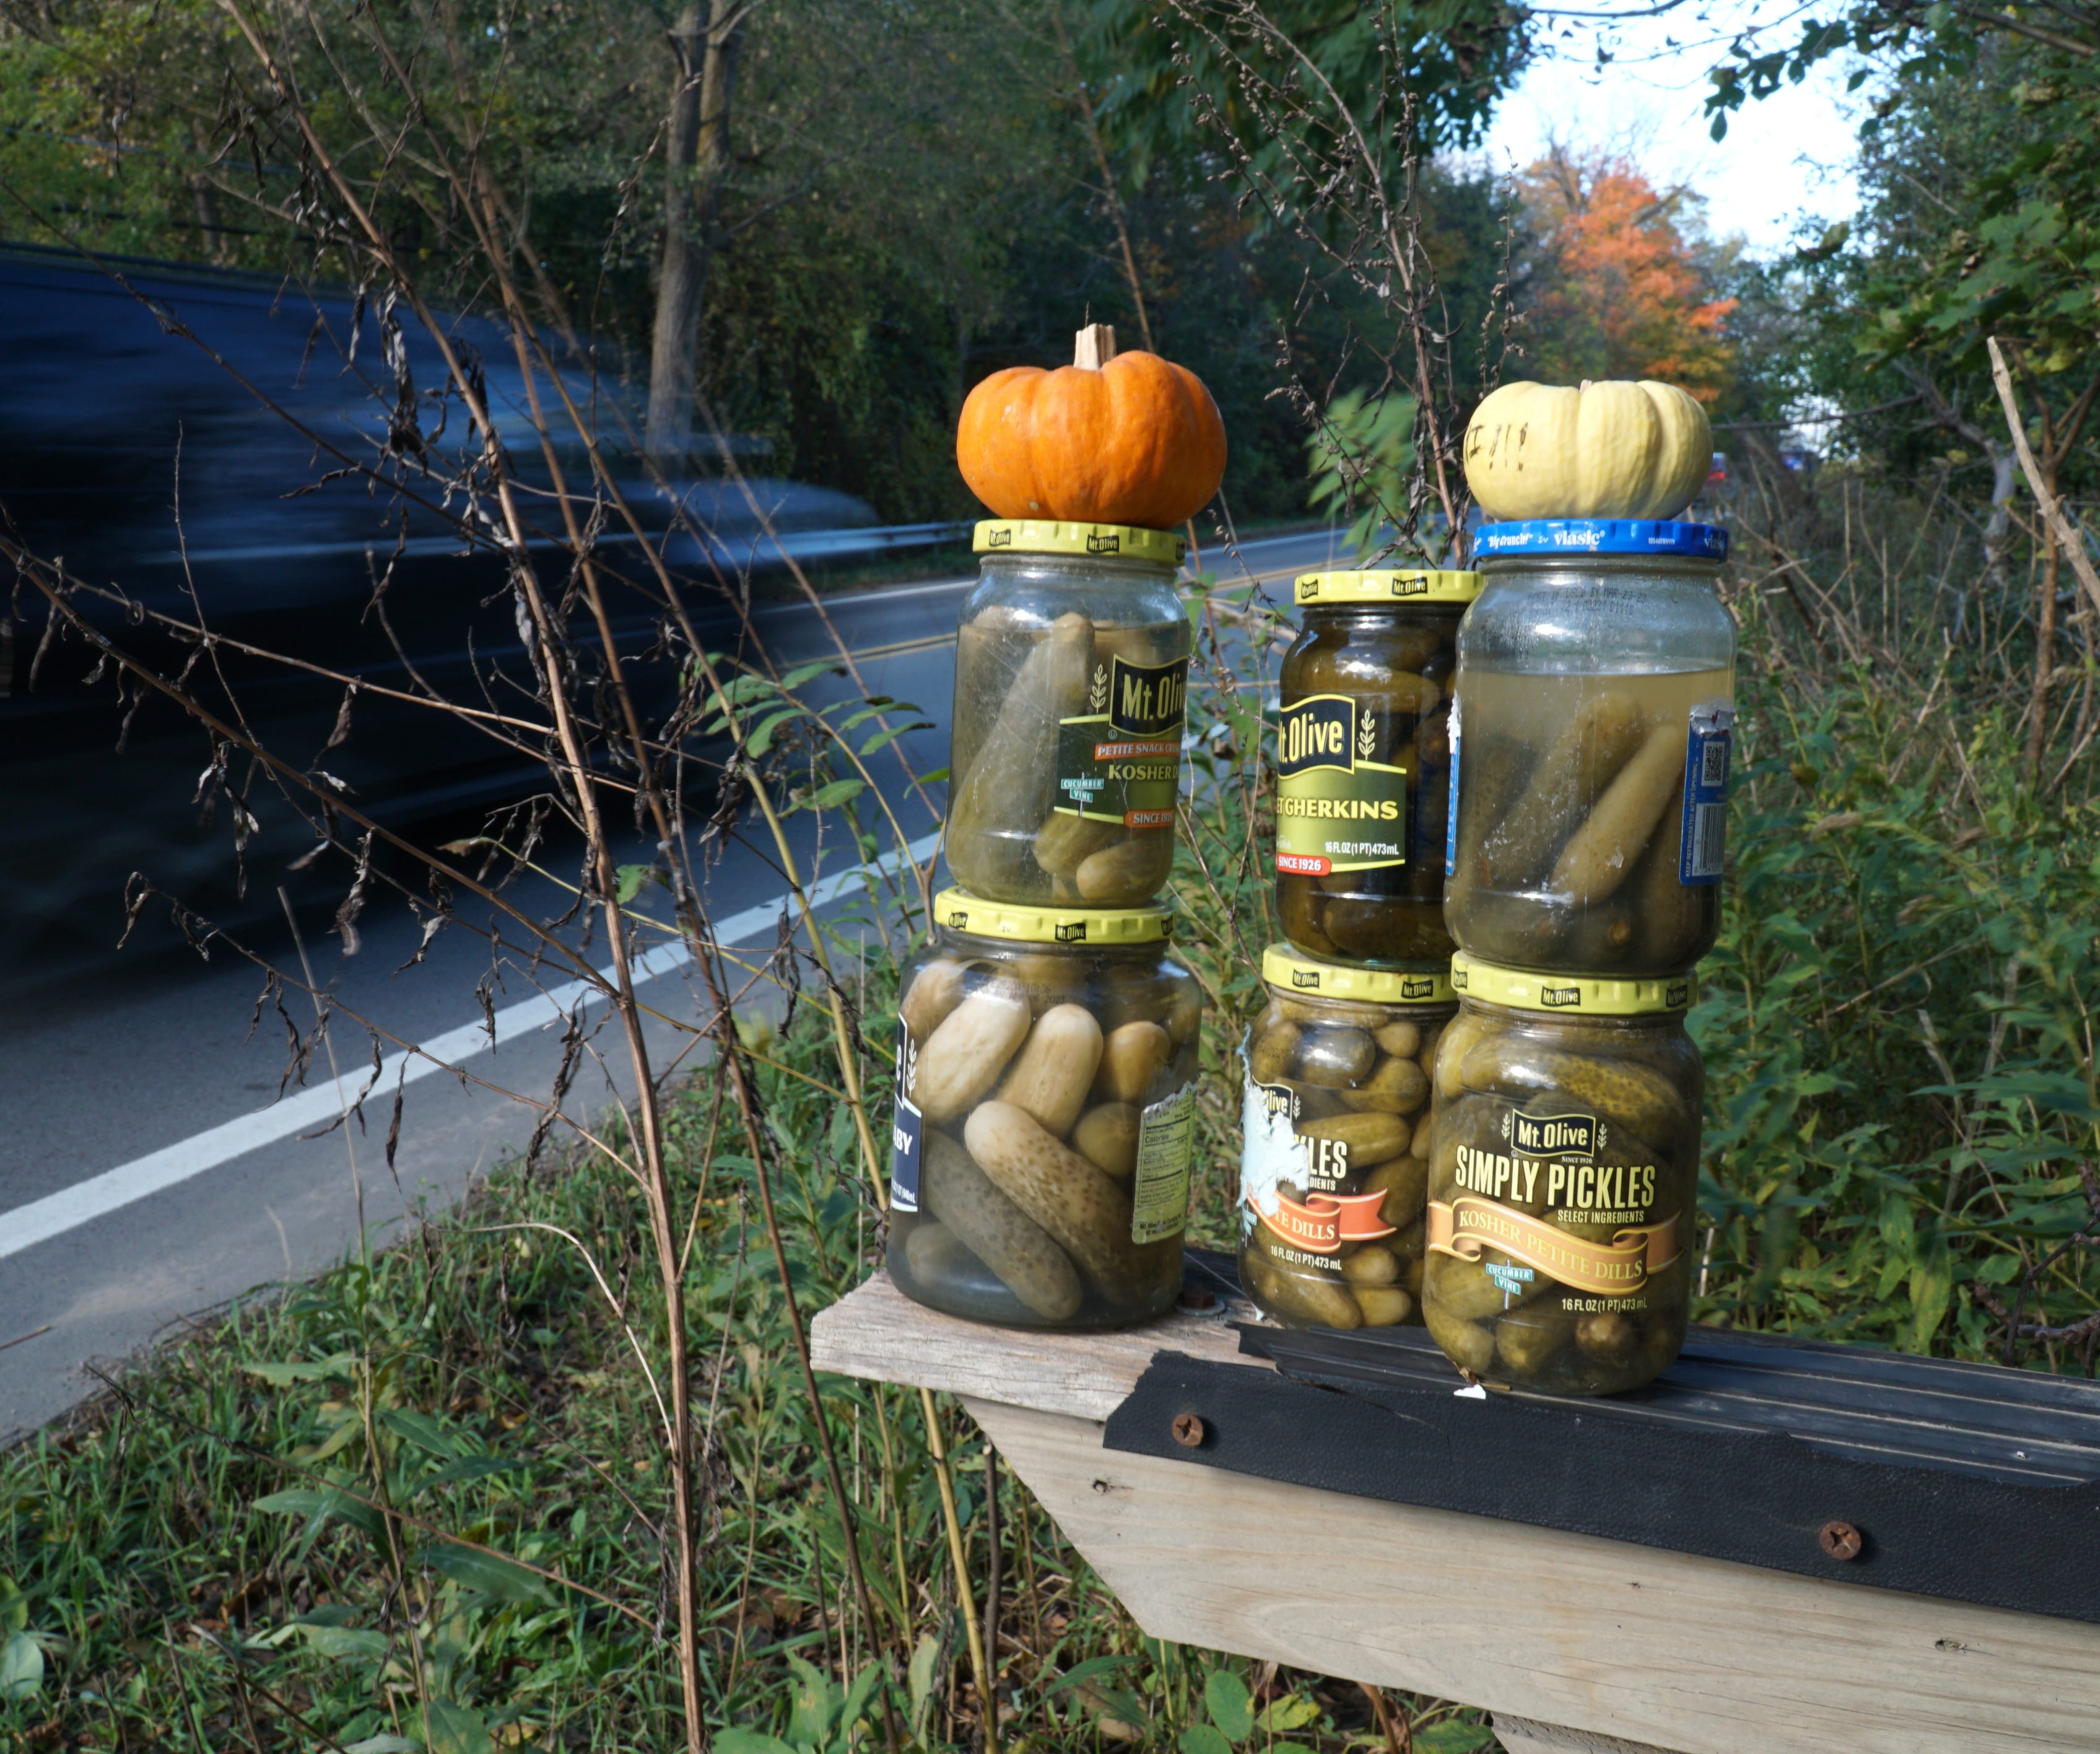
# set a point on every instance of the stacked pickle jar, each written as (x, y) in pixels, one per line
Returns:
(1335, 1144)
(1045, 1115)
(1071, 687)
(1590, 741)
(1047, 1040)
(1563, 1179)
(1334, 1161)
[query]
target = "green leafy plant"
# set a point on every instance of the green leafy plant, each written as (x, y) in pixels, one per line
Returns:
(1362, 456)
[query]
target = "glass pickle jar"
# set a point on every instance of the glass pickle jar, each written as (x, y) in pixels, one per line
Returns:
(1362, 751)
(1045, 1118)
(1071, 685)
(1334, 1153)
(1564, 1179)
(1596, 692)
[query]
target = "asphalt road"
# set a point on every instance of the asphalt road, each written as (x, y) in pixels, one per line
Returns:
(155, 1166)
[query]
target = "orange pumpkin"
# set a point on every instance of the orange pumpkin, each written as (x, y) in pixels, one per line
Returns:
(1136, 439)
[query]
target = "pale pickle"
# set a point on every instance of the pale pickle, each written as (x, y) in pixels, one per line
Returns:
(1370, 1265)
(1107, 1137)
(962, 1059)
(1132, 1056)
(1401, 1039)
(1055, 1068)
(935, 990)
(1065, 842)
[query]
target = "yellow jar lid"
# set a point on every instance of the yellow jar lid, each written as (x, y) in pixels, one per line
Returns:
(1283, 966)
(960, 911)
(1050, 535)
(1415, 585)
(1587, 995)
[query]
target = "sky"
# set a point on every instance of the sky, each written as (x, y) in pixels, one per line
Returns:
(1787, 156)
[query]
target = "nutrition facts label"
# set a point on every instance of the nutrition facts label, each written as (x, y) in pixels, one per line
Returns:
(1706, 749)
(1165, 1147)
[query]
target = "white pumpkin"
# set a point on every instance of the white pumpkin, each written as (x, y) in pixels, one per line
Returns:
(1606, 450)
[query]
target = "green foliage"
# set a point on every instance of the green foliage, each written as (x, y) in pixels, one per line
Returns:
(1981, 217)
(1362, 456)
(1901, 1105)
(1454, 57)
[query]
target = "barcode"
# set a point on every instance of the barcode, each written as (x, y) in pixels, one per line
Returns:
(1713, 763)
(1709, 823)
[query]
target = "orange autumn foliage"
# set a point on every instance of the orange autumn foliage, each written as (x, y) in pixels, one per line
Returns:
(1620, 292)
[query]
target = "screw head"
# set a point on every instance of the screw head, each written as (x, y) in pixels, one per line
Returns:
(1840, 1540)
(1195, 1298)
(1188, 1430)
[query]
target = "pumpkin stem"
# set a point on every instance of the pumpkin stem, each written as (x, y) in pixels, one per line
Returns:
(1094, 346)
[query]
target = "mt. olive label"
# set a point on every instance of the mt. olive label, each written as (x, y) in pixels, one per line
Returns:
(1120, 761)
(1338, 807)
(1553, 1135)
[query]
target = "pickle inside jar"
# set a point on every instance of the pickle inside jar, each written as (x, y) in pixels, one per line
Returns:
(1012, 834)
(1570, 821)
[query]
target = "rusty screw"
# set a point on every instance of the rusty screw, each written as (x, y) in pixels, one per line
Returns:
(1188, 1430)
(1840, 1540)
(1195, 1298)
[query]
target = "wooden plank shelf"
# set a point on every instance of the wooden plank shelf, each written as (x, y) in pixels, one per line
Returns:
(1578, 1643)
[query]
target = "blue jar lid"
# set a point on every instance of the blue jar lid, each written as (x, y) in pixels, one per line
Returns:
(1601, 536)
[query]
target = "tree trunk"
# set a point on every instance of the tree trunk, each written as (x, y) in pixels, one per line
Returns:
(695, 155)
(2044, 667)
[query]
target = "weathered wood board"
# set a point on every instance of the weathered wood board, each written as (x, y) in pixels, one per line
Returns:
(879, 1333)
(1583, 1645)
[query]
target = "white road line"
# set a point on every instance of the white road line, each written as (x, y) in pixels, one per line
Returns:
(84, 1202)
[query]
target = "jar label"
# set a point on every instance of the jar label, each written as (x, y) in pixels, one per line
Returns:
(1293, 1186)
(1706, 747)
(1165, 1148)
(1592, 1227)
(1120, 761)
(1337, 807)
(1451, 811)
(908, 1129)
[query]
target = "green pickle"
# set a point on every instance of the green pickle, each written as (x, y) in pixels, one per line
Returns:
(1043, 1136)
(1071, 678)
(1363, 757)
(1563, 1179)
(1334, 1165)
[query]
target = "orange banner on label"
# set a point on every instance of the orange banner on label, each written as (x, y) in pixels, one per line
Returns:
(1327, 1221)
(1469, 1225)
